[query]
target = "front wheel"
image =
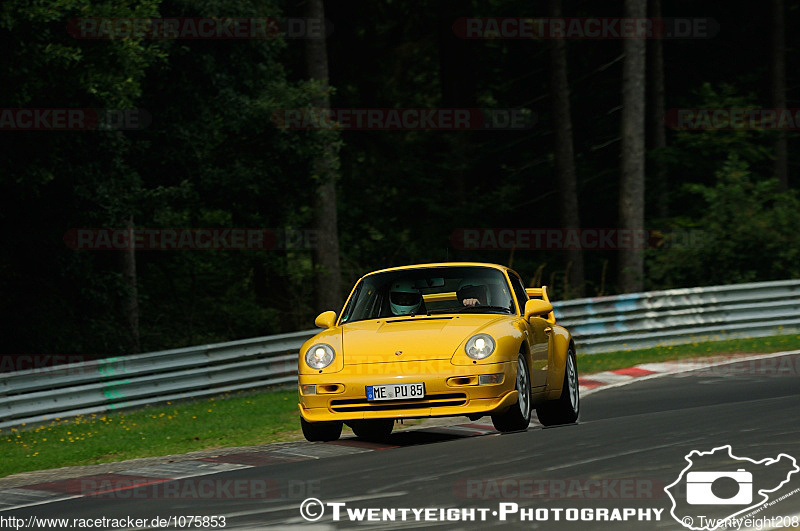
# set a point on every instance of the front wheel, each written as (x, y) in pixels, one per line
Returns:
(321, 431)
(372, 430)
(565, 410)
(518, 416)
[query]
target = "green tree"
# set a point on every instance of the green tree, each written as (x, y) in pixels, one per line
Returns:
(59, 300)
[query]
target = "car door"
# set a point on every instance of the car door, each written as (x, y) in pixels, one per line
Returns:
(538, 336)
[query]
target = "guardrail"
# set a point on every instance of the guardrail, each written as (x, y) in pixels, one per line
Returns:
(676, 316)
(622, 322)
(36, 396)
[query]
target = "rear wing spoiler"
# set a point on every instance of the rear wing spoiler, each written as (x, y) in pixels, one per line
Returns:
(541, 293)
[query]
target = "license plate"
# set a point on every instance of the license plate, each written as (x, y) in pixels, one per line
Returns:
(395, 391)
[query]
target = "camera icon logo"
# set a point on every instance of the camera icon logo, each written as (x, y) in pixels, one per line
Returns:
(699, 488)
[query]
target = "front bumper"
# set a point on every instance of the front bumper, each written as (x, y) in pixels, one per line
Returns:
(450, 390)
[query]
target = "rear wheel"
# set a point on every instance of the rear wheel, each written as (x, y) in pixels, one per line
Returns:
(518, 416)
(321, 431)
(566, 409)
(372, 430)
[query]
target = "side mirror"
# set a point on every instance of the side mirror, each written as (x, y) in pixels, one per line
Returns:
(537, 307)
(326, 319)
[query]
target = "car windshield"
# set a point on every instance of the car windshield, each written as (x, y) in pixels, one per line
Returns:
(430, 291)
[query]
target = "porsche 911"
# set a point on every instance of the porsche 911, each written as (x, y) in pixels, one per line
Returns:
(437, 340)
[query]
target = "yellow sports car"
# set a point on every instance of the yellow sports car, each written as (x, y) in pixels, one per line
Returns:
(437, 340)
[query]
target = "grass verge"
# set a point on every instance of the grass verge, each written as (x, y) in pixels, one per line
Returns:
(244, 419)
(238, 419)
(609, 361)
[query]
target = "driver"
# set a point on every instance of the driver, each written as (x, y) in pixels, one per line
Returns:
(404, 298)
(472, 292)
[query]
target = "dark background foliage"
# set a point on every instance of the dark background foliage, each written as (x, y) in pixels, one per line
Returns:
(212, 157)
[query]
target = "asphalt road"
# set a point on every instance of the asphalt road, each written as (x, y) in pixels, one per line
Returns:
(630, 443)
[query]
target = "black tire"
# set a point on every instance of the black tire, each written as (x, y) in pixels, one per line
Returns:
(321, 431)
(518, 416)
(372, 430)
(566, 409)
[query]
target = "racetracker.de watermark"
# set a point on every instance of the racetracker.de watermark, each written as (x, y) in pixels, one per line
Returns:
(70, 119)
(729, 119)
(559, 489)
(44, 362)
(584, 28)
(193, 28)
(775, 366)
(191, 239)
(450, 119)
(598, 239)
(135, 488)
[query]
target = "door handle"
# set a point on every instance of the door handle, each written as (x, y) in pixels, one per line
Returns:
(548, 330)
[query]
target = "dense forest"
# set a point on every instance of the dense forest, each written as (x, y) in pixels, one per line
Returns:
(253, 193)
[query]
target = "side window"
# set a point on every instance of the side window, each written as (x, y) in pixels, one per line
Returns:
(519, 291)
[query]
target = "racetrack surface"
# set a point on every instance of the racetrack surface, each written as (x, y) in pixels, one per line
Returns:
(630, 443)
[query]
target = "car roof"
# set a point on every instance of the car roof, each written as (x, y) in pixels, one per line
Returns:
(440, 264)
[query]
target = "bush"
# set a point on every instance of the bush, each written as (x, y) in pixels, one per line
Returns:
(748, 232)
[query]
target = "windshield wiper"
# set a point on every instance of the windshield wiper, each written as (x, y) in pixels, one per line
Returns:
(491, 309)
(503, 309)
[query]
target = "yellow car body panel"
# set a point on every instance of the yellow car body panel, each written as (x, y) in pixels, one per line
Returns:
(430, 349)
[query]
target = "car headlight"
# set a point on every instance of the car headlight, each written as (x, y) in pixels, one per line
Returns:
(320, 356)
(480, 346)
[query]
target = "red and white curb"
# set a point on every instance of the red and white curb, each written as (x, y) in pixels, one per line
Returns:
(119, 484)
(617, 378)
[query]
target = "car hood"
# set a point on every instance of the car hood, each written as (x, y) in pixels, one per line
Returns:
(415, 338)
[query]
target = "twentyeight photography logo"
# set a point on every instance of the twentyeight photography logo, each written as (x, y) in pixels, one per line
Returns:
(720, 490)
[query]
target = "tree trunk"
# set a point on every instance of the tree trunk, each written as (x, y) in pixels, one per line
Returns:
(457, 82)
(130, 305)
(778, 71)
(569, 213)
(631, 194)
(328, 278)
(655, 69)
